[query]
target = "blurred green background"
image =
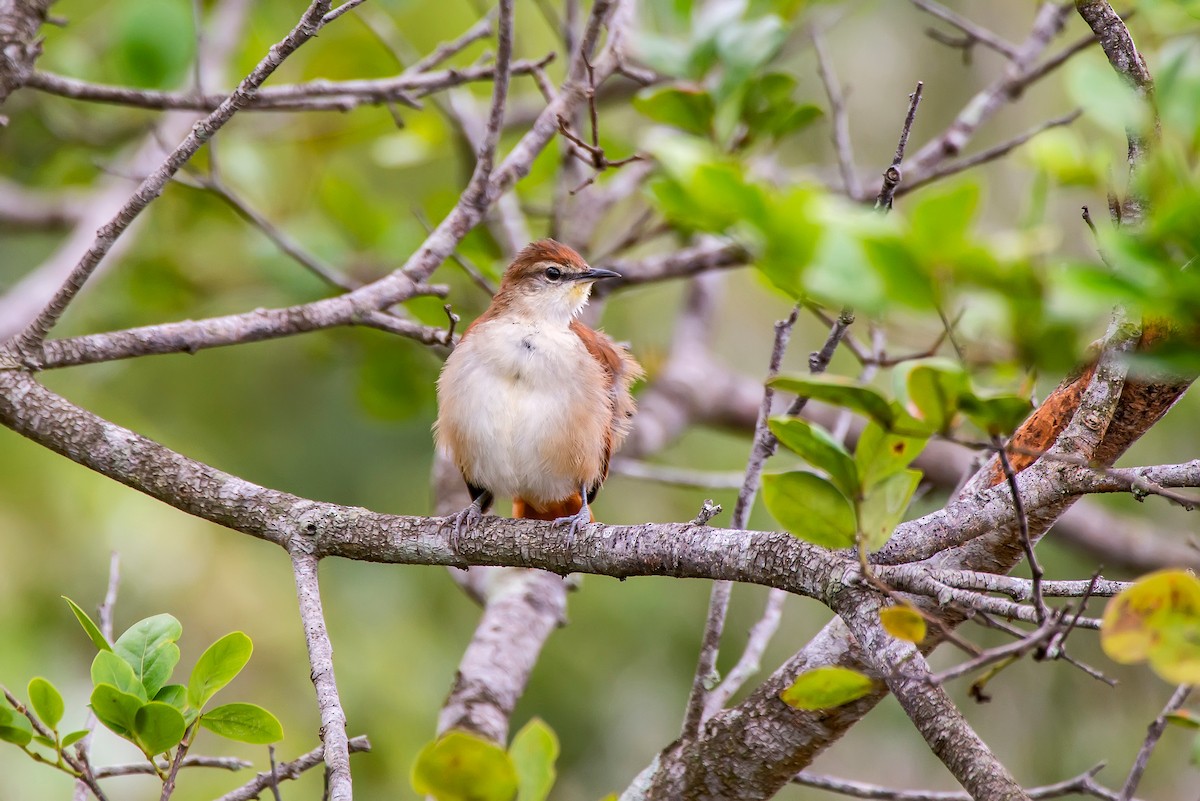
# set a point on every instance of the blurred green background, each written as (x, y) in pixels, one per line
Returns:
(344, 415)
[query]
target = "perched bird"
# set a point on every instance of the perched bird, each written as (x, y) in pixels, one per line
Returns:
(532, 403)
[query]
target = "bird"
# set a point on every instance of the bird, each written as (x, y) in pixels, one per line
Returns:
(532, 403)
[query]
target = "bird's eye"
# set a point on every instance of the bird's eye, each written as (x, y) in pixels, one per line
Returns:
(553, 273)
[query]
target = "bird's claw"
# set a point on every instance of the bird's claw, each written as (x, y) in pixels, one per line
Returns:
(463, 520)
(573, 523)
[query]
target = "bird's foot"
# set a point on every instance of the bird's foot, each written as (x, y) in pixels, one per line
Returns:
(573, 523)
(463, 521)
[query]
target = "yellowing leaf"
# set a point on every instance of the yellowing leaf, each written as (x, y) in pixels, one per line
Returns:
(462, 767)
(1134, 621)
(827, 687)
(903, 623)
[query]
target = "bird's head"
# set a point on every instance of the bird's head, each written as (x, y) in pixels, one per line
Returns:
(549, 280)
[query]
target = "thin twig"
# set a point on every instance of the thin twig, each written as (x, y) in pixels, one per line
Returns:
(288, 771)
(892, 175)
(1035, 568)
(1153, 733)
(840, 127)
(718, 604)
(973, 31)
(310, 23)
(145, 768)
(1083, 784)
(983, 157)
(320, 657)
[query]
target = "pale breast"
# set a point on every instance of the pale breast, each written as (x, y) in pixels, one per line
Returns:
(524, 410)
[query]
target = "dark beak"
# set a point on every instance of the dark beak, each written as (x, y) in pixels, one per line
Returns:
(595, 274)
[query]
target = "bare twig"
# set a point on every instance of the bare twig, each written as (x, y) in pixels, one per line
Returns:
(105, 615)
(974, 32)
(1083, 784)
(983, 157)
(1035, 567)
(289, 770)
(1153, 733)
(320, 657)
(310, 23)
(145, 768)
(763, 446)
(892, 175)
(840, 127)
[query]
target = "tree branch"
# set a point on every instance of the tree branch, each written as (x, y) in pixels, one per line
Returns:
(320, 658)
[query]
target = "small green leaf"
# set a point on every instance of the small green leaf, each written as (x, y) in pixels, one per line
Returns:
(46, 701)
(245, 723)
(1185, 718)
(933, 389)
(826, 688)
(115, 709)
(880, 454)
(173, 694)
(462, 767)
(158, 727)
(811, 508)
(46, 741)
(840, 391)
(149, 648)
(93, 631)
(685, 106)
(533, 752)
(883, 506)
(818, 447)
(108, 668)
(903, 623)
(217, 666)
(15, 727)
(74, 737)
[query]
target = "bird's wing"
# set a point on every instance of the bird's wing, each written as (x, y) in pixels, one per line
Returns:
(621, 370)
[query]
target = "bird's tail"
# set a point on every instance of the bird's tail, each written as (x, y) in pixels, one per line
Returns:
(552, 511)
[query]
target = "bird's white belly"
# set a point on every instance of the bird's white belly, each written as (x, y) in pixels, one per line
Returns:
(528, 408)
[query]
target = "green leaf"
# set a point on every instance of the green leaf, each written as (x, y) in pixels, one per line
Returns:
(108, 668)
(939, 221)
(1185, 718)
(173, 694)
(158, 727)
(880, 454)
(93, 631)
(533, 752)
(1176, 657)
(768, 108)
(217, 666)
(462, 767)
(884, 504)
(149, 648)
(685, 106)
(15, 727)
(933, 389)
(903, 623)
(819, 449)
(74, 737)
(46, 701)
(743, 47)
(811, 508)
(115, 709)
(245, 723)
(998, 414)
(46, 741)
(839, 391)
(826, 688)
